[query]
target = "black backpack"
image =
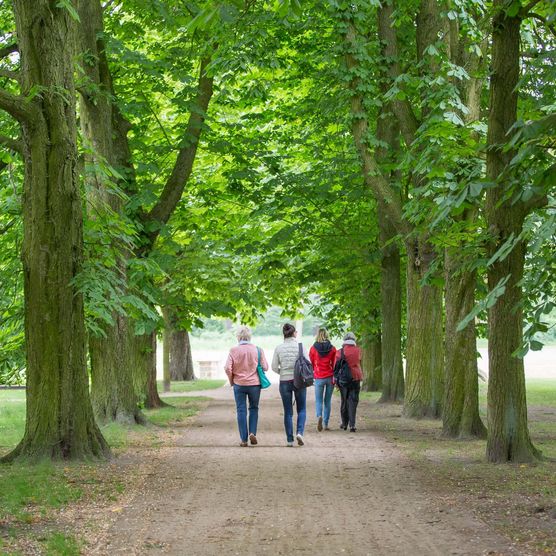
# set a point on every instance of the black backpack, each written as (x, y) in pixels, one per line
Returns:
(342, 372)
(302, 371)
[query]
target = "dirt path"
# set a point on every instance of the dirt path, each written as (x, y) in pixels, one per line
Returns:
(341, 493)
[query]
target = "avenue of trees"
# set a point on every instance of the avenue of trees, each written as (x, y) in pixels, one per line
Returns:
(388, 165)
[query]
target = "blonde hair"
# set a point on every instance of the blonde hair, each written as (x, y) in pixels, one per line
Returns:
(243, 334)
(322, 335)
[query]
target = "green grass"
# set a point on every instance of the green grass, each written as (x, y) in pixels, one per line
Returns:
(193, 385)
(30, 492)
(29, 489)
(60, 544)
(180, 410)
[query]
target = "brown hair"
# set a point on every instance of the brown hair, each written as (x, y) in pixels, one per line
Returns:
(288, 330)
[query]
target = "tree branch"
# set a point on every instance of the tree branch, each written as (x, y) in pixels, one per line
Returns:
(387, 35)
(9, 74)
(173, 190)
(16, 105)
(9, 225)
(8, 49)
(524, 11)
(374, 180)
(13, 144)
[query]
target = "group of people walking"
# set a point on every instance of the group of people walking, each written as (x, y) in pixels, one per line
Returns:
(246, 362)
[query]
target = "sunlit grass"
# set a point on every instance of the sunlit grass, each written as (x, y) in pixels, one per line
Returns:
(192, 385)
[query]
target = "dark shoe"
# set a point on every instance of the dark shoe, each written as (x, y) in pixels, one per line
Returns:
(243, 444)
(344, 427)
(352, 429)
(253, 439)
(319, 424)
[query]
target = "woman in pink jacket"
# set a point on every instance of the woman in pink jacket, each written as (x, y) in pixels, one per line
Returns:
(241, 368)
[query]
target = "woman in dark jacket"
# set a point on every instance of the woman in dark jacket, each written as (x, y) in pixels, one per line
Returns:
(323, 355)
(350, 391)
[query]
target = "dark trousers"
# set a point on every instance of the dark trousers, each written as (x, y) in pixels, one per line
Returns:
(350, 399)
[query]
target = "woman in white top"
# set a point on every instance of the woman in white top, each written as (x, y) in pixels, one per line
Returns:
(283, 363)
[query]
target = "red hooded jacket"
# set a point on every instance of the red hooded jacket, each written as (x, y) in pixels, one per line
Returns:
(323, 365)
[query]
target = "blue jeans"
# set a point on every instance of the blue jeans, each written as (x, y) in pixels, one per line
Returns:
(241, 393)
(323, 389)
(287, 391)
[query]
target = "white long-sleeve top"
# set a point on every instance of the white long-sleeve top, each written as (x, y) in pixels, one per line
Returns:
(285, 356)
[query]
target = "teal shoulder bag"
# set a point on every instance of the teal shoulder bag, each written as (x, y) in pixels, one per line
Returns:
(265, 383)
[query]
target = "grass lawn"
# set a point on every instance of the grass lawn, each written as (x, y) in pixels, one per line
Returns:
(31, 493)
(192, 385)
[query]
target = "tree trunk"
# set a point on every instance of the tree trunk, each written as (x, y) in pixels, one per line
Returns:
(166, 346)
(59, 419)
(113, 389)
(388, 133)
(391, 311)
(508, 435)
(371, 363)
(460, 414)
(425, 358)
(181, 357)
(145, 355)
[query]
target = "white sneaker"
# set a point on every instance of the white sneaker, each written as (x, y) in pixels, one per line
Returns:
(300, 440)
(289, 444)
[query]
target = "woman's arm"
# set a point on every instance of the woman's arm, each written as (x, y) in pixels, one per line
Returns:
(229, 368)
(276, 362)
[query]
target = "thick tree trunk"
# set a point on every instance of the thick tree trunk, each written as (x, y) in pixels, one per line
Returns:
(425, 357)
(59, 419)
(371, 363)
(508, 435)
(181, 357)
(460, 414)
(113, 388)
(388, 132)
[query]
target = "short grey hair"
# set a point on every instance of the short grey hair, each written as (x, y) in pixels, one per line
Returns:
(243, 334)
(350, 336)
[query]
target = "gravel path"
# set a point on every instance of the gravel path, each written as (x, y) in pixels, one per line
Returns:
(341, 493)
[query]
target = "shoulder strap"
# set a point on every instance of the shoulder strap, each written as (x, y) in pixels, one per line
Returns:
(258, 356)
(300, 349)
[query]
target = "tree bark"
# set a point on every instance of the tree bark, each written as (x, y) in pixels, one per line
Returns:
(388, 133)
(166, 346)
(106, 128)
(113, 393)
(425, 357)
(181, 357)
(145, 350)
(508, 435)
(424, 336)
(391, 311)
(460, 415)
(371, 362)
(59, 419)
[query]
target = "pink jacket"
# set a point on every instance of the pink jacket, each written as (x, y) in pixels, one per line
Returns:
(241, 365)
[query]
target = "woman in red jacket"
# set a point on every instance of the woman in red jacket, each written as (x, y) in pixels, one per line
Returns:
(323, 355)
(350, 391)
